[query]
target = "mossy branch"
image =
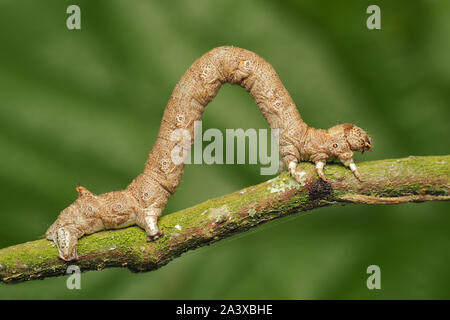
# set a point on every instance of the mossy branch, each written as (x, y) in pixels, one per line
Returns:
(412, 179)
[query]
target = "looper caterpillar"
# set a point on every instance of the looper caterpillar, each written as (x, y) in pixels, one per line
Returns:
(143, 200)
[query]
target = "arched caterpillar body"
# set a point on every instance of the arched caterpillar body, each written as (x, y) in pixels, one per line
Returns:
(143, 200)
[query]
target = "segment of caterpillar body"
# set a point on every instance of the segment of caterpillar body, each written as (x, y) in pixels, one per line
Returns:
(143, 200)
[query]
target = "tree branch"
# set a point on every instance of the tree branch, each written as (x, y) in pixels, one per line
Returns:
(412, 179)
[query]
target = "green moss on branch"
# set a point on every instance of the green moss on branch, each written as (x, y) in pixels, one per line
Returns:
(410, 179)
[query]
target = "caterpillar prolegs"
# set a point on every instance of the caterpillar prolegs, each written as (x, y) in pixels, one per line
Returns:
(143, 200)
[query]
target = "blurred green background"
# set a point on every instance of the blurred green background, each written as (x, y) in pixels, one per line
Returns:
(84, 107)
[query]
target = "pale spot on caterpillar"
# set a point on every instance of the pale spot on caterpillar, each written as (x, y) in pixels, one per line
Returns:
(245, 64)
(206, 73)
(145, 196)
(164, 165)
(90, 211)
(179, 120)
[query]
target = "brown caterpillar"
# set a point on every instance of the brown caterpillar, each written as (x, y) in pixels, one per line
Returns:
(143, 200)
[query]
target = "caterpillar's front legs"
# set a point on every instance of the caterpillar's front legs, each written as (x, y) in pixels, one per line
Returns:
(293, 172)
(148, 220)
(319, 168)
(349, 163)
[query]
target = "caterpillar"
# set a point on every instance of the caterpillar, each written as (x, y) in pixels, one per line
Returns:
(145, 197)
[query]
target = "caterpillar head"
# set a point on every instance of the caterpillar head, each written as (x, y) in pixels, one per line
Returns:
(356, 138)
